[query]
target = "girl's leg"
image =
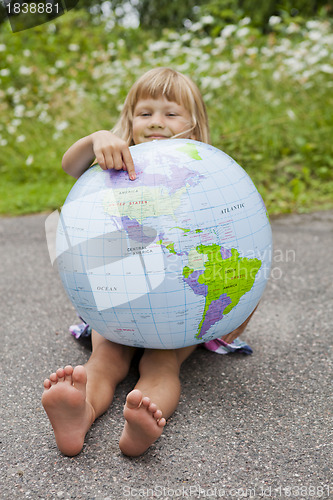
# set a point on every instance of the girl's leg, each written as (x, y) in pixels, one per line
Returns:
(74, 398)
(107, 366)
(236, 333)
(154, 398)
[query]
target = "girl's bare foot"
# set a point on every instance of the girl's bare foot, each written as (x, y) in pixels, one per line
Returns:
(64, 400)
(144, 424)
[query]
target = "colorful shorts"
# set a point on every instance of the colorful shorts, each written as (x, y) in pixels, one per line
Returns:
(83, 331)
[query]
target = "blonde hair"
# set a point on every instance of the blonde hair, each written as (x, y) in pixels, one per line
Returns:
(174, 86)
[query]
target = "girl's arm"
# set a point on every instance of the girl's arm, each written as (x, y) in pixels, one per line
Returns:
(109, 150)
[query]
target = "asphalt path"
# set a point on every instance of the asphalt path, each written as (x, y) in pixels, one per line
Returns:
(247, 426)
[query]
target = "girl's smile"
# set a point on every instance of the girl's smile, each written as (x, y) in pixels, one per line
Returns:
(156, 119)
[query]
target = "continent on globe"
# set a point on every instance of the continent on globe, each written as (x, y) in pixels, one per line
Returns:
(226, 277)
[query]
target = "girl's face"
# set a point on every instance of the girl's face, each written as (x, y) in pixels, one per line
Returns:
(160, 119)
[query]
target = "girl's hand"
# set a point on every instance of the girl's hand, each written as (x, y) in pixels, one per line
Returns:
(112, 152)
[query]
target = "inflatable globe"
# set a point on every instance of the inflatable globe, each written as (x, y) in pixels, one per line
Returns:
(177, 257)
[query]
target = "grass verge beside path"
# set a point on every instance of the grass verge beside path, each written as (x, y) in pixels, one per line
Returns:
(269, 100)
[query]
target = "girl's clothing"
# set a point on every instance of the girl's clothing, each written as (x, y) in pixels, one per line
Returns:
(83, 331)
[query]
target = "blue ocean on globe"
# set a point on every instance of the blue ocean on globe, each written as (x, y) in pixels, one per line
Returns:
(178, 257)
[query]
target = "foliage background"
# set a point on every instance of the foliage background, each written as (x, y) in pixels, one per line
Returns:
(266, 76)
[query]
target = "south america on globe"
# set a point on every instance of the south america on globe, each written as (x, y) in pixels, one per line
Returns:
(178, 257)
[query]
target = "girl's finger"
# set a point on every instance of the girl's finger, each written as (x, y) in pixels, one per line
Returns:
(100, 160)
(109, 162)
(128, 160)
(117, 161)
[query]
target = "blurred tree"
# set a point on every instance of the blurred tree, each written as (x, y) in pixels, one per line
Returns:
(159, 14)
(229, 11)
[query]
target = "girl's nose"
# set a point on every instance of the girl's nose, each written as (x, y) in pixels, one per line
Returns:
(157, 121)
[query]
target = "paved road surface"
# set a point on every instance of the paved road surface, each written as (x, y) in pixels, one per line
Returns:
(247, 427)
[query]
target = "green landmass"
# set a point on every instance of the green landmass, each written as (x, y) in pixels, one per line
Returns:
(182, 229)
(233, 276)
(171, 248)
(191, 150)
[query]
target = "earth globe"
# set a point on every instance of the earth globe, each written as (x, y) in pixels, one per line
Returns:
(178, 257)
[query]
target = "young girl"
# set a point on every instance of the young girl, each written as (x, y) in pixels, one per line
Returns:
(162, 104)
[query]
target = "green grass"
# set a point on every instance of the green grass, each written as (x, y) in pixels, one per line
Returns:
(269, 100)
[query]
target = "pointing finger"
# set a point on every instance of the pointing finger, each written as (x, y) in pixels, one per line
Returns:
(128, 160)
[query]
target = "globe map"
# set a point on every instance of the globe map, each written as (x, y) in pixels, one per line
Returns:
(178, 257)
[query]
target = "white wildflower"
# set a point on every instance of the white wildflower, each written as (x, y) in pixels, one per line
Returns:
(4, 72)
(186, 37)
(196, 26)
(25, 70)
(44, 117)
(245, 21)
(307, 74)
(3, 142)
(20, 138)
(326, 68)
(243, 32)
(19, 110)
(29, 160)
(61, 126)
(292, 28)
(27, 52)
(252, 51)
(311, 25)
(206, 41)
(228, 30)
(60, 64)
(267, 52)
(59, 82)
(274, 20)
(16, 122)
(291, 114)
(315, 35)
(73, 47)
(2, 47)
(238, 51)
(159, 45)
(11, 130)
(17, 97)
(207, 20)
